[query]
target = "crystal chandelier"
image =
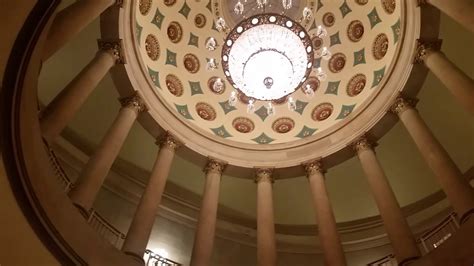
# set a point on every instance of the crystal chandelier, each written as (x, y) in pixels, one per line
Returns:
(267, 57)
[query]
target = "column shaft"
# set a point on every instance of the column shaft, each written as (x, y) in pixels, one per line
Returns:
(266, 243)
(459, 10)
(456, 187)
(329, 237)
(94, 173)
(457, 82)
(398, 231)
(204, 238)
(70, 21)
(142, 224)
(65, 105)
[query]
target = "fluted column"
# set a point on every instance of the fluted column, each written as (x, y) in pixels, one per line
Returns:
(55, 117)
(458, 83)
(398, 231)
(459, 10)
(266, 243)
(70, 21)
(92, 176)
(204, 238)
(328, 235)
(142, 223)
(450, 178)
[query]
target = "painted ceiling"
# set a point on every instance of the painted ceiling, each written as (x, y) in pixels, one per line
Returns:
(363, 37)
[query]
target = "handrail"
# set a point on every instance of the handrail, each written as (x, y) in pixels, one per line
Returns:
(153, 259)
(429, 240)
(98, 222)
(58, 169)
(105, 229)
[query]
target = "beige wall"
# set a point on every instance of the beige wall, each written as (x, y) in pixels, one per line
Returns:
(19, 244)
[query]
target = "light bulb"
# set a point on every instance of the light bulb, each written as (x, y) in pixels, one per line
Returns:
(211, 44)
(239, 8)
(211, 64)
(220, 24)
(321, 32)
(291, 104)
(233, 98)
(251, 106)
(320, 74)
(326, 54)
(287, 4)
(270, 109)
(307, 13)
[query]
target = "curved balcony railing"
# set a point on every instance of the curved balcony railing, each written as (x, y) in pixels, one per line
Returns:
(153, 259)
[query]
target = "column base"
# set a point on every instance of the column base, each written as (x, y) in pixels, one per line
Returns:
(466, 216)
(83, 211)
(135, 256)
(408, 261)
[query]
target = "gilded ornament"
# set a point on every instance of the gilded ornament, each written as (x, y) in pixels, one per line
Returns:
(214, 166)
(114, 47)
(424, 47)
(134, 101)
(313, 167)
(168, 141)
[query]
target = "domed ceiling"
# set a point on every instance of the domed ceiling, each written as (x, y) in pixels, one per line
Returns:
(363, 37)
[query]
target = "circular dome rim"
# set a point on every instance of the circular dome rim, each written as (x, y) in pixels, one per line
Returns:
(243, 155)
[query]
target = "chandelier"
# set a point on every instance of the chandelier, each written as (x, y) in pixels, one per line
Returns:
(267, 57)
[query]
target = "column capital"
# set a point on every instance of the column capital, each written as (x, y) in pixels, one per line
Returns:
(313, 167)
(168, 141)
(215, 166)
(362, 144)
(114, 47)
(402, 104)
(135, 102)
(425, 47)
(264, 175)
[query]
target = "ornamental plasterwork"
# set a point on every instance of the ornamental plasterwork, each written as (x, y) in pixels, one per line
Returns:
(313, 167)
(134, 101)
(215, 166)
(179, 78)
(362, 144)
(114, 47)
(401, 105)
(264, 175)
(168, 141)
(425, 47)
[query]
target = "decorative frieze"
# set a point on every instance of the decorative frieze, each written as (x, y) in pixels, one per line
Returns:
(114, 47)
(264, 175)
(134, 101)
(214, 166)
(425, 47)
(168, 141)
(313, 167)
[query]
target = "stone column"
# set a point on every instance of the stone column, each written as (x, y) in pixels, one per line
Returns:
(142, 223)
(55, 117)
(450, 178)
(204, 238)
(398, 231)
(328, 235)
(266, 243)
(70, 21)
(92, 176)
(459, 10)
(453, 78)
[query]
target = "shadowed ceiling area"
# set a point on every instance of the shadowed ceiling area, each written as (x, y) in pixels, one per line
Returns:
(350, 196)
